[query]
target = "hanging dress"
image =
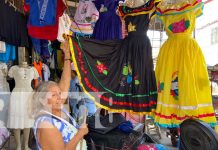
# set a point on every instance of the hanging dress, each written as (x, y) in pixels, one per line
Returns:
(181, 71)
(13, 29)
(19, 112)
(85, 18)
(108, 26)
(119, 73)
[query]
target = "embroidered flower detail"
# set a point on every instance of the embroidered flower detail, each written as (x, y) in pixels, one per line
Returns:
(179, 27)
(174, 86)
(125, 70)
(101, 68)
(160, 86)
(128, 78)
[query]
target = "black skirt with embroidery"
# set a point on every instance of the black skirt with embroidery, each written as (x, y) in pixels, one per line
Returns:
(119, 73)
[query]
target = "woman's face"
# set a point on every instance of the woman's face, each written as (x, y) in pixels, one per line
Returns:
(54, 98)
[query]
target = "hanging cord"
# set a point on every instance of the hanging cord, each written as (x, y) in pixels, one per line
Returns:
(68, 10)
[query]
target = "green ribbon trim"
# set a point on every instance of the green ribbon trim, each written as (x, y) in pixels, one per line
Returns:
(106, 89)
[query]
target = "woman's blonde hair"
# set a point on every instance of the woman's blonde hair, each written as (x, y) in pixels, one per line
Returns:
(39, 97)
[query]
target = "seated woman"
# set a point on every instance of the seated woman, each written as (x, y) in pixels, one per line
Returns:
(52, 130)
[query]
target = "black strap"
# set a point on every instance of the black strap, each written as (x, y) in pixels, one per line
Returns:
(79, 87)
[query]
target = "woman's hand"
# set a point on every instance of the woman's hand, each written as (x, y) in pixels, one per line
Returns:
(66, 47)
(83, 130)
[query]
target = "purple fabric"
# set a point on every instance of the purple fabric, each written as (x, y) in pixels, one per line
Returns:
(4, 134)
(109, 25)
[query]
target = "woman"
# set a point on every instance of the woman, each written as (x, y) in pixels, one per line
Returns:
(52, 131)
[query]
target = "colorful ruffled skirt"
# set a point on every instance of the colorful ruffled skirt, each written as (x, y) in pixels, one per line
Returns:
(183, 83)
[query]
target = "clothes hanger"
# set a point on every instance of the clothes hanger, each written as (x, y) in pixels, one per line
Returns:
(17, 5)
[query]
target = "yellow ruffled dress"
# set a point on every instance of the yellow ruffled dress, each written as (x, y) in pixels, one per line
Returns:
(181, 71)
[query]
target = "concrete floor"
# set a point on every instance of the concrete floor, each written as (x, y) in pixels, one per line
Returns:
(166, 141)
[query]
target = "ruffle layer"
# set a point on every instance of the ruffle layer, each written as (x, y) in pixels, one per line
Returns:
(170, 9)
(144, 9)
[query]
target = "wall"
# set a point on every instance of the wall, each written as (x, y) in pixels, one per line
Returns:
(204, 26)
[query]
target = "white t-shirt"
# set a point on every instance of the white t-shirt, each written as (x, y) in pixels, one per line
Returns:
(64, 27)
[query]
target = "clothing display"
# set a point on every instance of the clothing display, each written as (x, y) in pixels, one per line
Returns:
(4, 92)
(49, 32)
(38, 67)
(64, 27)
(10, 53)
(41, 47)
(106, 74)
(67, 130)
(2, 47)
(119, 74)
(19, 117)
(85, 18)
(46, 72)
(42, 12)
(108, 26)
(181, 71)
(13, 29)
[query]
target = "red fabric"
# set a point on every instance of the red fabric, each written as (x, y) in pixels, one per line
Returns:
(48, 32)
(26, 8)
